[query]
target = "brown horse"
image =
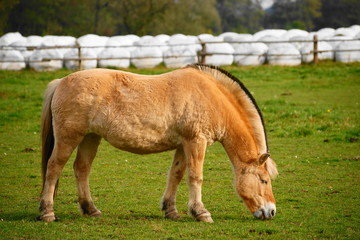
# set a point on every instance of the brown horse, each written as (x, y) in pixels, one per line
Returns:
(186, 110)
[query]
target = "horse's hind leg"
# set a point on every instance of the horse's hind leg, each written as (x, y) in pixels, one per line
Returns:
(86, 153)
(55, 165)
(175, 175)
(194, 150)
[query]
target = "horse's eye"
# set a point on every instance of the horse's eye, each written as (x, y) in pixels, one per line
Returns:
(263, 181)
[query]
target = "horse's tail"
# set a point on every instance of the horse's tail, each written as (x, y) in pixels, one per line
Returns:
(47, 133)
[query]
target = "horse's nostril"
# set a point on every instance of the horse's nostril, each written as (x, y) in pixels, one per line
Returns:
(272, 212)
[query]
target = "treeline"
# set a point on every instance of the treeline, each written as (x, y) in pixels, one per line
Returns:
(141, 17)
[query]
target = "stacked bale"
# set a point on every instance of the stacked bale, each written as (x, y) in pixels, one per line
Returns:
(10, 54)
(50, 53)
(118, 48)
(182, 51)
(147, 53)
(219, 52)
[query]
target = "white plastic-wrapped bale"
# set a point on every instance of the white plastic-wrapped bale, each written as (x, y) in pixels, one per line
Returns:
(272, 41)
(294, 33)
(300, 41)
(336, 40)
(345, 32)
(182, 51)
(133, 37)
(324, 33)
(307, 55)
(21, 47)
(250, 54)
(34, 41)
(238, 40)
(348, 51)
(148, 52)
(11, 60)
(31, 43)
(162, 37)
(92, 42)
(220, 53)
(114, 49)
(11, 37)
(285, 55)
(205, 36)
(123, 42)
(47, 57)
(71, 59)
(269, 32)
(356, 29)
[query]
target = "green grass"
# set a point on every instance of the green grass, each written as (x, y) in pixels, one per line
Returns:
(312, 114)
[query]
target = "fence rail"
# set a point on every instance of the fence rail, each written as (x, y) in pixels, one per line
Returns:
(200, 55)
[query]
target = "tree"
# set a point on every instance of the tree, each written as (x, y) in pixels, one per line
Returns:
(166, 16)
(293, 13)
(59, 17)
(191, 17)
(240, 15)
(5, 5)
(339, 13)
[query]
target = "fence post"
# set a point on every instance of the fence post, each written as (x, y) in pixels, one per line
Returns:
(316, 57)
(202, 53)
(79, 55)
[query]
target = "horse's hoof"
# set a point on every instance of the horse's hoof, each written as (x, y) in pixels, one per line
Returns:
(172, 215)
(47, 218)
(95, 214)
(206, 219)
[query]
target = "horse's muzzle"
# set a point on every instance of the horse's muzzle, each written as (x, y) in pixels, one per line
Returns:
(266, 212)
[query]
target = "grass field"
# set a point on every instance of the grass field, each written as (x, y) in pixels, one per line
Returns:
(312, 114)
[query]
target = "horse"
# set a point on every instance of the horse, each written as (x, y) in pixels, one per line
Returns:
(184, 110)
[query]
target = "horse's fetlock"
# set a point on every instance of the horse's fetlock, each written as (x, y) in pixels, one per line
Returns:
(200, 213)
(173, 214)
(88, 208)
(166, 204)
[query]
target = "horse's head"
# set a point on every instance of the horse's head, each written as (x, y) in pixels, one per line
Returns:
(253, 184)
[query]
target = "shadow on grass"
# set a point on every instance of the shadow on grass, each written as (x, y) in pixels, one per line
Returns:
(18, 216)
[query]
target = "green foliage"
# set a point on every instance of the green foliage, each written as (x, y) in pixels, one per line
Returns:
(193, 17)
(167, 16)
(312, 117)
(337, 13)
(240, 15)
(141, 17)
(301, 13)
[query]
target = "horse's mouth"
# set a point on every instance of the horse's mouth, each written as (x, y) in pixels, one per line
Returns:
(266, 213)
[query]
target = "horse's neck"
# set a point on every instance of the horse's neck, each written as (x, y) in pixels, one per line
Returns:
(240, 143)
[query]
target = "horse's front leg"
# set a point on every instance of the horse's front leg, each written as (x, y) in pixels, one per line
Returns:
(194, 150)
(175, 175)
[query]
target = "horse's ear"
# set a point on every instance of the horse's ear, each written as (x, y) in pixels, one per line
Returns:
(262, 158)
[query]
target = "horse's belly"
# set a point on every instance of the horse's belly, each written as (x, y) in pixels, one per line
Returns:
(143, 144)
(143, 138)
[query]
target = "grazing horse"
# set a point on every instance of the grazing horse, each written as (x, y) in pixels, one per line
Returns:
(186, 110)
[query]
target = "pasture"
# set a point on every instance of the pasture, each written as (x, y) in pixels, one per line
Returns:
(312, 114)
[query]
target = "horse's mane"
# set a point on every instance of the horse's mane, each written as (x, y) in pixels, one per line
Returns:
(244, 98)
